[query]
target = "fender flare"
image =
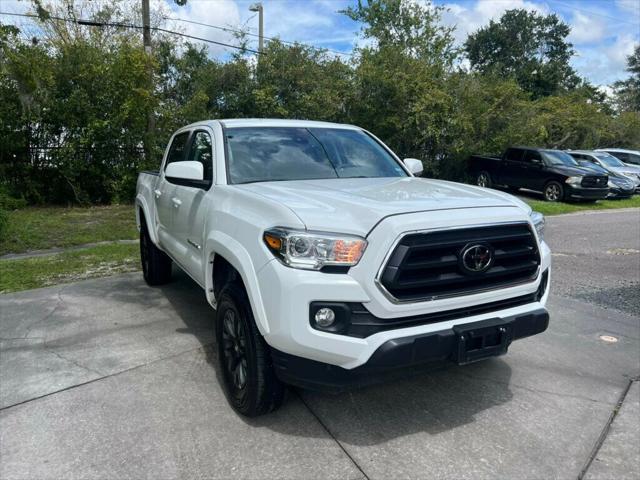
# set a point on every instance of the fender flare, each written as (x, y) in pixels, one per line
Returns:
(219, 243)
(141, 204)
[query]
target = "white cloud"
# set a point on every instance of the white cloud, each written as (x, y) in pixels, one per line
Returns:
(586, 28)
(467, 18)
(631, 6)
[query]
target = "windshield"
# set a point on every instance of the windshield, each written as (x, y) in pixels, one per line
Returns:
(609, 160)
(556, 157)
(266, 154)
(592, 166)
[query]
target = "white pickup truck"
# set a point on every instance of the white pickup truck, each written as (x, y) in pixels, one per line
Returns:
(328, 264)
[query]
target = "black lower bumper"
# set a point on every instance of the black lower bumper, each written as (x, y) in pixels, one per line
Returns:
(579, 193)
(398, 357)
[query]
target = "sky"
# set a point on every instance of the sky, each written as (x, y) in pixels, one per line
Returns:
(604, 32)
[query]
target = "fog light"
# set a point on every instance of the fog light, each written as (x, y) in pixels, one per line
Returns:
(325, 317)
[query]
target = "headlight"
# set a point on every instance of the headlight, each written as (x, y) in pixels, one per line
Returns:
(610, 184)
(314, 250)
(573, 180)
(538, 221)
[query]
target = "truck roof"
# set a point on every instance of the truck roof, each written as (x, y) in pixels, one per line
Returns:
(276, 122)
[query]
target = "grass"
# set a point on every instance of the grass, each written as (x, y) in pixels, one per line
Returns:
(549, 208)
(44, 271)
(39, 228)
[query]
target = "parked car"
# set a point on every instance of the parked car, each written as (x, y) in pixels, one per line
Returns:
(609, 163)
(328, 264)
(631, 157)
(553, 172)
(620, 186)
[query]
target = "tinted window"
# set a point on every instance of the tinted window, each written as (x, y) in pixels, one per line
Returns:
(200, 151)
(176, 151)
(633, 158)
(532, 156)
(513, 154)
(261, 154)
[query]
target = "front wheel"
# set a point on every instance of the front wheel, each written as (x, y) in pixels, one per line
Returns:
(483, 179)
(553, 192)
(249, 380)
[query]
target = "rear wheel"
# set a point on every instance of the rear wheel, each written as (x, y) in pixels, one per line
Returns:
(484, 179)
(553, 192)
(249, 380)
(156, 265)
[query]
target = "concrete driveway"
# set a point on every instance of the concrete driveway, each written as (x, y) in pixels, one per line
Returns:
(110, 378)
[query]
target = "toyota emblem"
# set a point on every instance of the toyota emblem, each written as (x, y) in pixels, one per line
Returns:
(476, 258)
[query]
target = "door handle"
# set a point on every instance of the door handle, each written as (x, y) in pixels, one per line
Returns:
(157, 193)
(176, 202)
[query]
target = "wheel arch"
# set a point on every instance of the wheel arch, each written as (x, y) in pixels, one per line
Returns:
(228, 259)
(143, 213)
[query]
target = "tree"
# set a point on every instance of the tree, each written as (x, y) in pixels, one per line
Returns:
(627, 92)
(526, 46)
(400, 91)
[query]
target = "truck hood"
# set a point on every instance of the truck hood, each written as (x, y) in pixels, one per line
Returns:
(356, 205)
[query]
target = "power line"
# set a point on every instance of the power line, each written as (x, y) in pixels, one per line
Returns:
(139, 27)
(227, 29)
(589, 12)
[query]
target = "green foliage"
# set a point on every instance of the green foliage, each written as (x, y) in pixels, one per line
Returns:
(74, 106)
(527, 46)
(627, 92)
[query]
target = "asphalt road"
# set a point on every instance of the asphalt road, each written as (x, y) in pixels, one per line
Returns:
(110, 378)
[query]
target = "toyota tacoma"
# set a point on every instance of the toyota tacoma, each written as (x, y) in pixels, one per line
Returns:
(329, 264)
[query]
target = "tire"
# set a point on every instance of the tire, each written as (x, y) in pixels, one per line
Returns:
(484, 179)
(156, 265)
(249, 380)
(553, 192)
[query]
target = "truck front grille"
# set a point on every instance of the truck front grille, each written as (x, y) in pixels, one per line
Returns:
(429, 265)
(595, 181)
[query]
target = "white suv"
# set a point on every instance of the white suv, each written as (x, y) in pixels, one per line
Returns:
(329, 264)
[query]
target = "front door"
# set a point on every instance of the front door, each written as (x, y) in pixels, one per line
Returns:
(164, 194)
(191, 213)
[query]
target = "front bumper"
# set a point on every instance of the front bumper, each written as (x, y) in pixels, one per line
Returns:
(404, 356)
(580, 193)
(286, 295)
(622, 193)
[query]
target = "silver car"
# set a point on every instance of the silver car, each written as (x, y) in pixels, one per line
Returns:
(629, 157)
(608, 162)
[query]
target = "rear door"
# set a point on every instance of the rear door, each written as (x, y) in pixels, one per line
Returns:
(533, 172)
(191, 206)
(510, 174)
(165, 192)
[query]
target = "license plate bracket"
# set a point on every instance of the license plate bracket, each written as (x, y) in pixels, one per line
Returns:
(479, 340)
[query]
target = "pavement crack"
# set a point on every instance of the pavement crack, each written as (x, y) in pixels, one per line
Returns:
(103, 377)
(606, 429)
(60, 301)
(70, 360)
(531, 389)
(326, 429)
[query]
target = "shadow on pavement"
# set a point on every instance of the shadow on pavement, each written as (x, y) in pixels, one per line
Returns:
(433, 402)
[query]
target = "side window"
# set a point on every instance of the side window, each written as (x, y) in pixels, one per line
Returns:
(531, 156)
(200, 151)
(621, 155)
(513, 154)
(177, 148)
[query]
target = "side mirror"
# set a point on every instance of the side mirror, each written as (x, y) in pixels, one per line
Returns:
(187, 173)
(414, 165)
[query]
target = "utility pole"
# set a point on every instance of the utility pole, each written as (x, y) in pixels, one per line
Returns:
(146, 27)
(257, 7)
(146, 41)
